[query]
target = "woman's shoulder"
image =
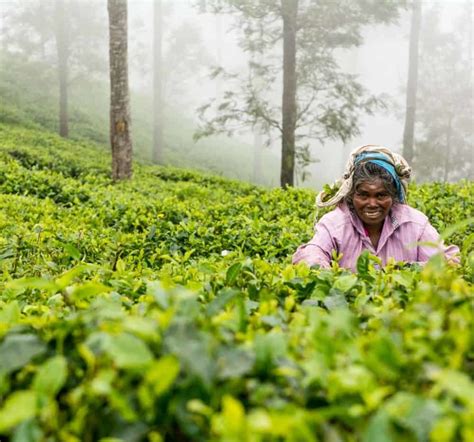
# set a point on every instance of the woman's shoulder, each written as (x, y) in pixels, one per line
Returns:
(406, 214)
(337, 217)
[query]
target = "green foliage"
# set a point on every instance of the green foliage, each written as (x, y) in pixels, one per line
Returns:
(443, 150)
(28, 98)
(328, 101)
(166, 308)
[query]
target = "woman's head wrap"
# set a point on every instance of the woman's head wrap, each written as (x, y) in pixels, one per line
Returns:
(392, 162)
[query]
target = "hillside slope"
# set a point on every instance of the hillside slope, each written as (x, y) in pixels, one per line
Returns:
(181, 208)
(166, 308)
(29, 97)
(178, 204)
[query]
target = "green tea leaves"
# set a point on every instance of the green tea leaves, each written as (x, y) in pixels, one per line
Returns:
(233, 272)
(21, 405)
(167, 308)
(18, 350)
(51, 376)
(127, 351)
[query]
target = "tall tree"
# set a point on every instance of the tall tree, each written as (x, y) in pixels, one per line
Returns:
(157, 82)
(62, 45)
(185, 60)
(219, 42)
(257, 155)
(289, 9)
(120, 120)
(412, 82)
(58, 34)
(445, 136)
(315, 100)
(258, 139)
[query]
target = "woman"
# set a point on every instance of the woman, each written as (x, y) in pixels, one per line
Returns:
(371, 214)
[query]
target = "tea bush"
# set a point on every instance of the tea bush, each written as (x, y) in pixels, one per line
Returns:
(166, 308)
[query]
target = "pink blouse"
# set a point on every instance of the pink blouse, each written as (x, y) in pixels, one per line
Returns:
(343, 231)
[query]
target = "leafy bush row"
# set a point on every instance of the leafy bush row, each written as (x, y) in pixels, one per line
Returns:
(166, 309)
(250, 351)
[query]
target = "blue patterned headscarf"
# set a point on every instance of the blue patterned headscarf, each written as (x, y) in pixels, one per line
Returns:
(392, 162)
(383, 161)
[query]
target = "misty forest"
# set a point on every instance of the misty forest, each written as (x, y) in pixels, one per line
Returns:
(166, 274)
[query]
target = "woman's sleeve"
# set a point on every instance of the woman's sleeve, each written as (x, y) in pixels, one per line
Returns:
(425, 251)
(318, 250)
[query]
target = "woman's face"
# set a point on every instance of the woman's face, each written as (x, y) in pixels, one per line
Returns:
(372, 202)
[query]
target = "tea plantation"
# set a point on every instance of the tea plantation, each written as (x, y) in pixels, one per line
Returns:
(167, 309)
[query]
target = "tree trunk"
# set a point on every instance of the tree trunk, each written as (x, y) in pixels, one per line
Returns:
(289, 14)
(43, 17)
(412, 84)
(62, 45)
(257, 129)
(157, 83)
(447, 156)
(219, 43)
(120, 121)
(257, 156)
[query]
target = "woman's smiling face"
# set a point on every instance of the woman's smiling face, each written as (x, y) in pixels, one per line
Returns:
(372, 202)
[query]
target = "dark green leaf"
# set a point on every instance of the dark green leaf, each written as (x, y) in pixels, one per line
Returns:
(18, 350)
(232, 273)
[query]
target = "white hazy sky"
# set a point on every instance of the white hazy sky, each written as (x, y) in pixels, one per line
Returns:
(381, 64)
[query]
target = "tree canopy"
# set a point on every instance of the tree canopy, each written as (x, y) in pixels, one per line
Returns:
(444, 148)
(328, 101)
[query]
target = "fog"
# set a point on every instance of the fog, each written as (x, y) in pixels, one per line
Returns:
(196, 42)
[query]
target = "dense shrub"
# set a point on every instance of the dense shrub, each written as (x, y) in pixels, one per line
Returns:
(166, 308)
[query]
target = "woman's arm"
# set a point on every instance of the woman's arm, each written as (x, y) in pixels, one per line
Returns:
(318, 250)
(425, 251)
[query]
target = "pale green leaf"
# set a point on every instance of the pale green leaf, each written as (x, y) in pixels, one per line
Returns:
(51, 376)
(18, 350)
(21, 405)
(127, 351)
